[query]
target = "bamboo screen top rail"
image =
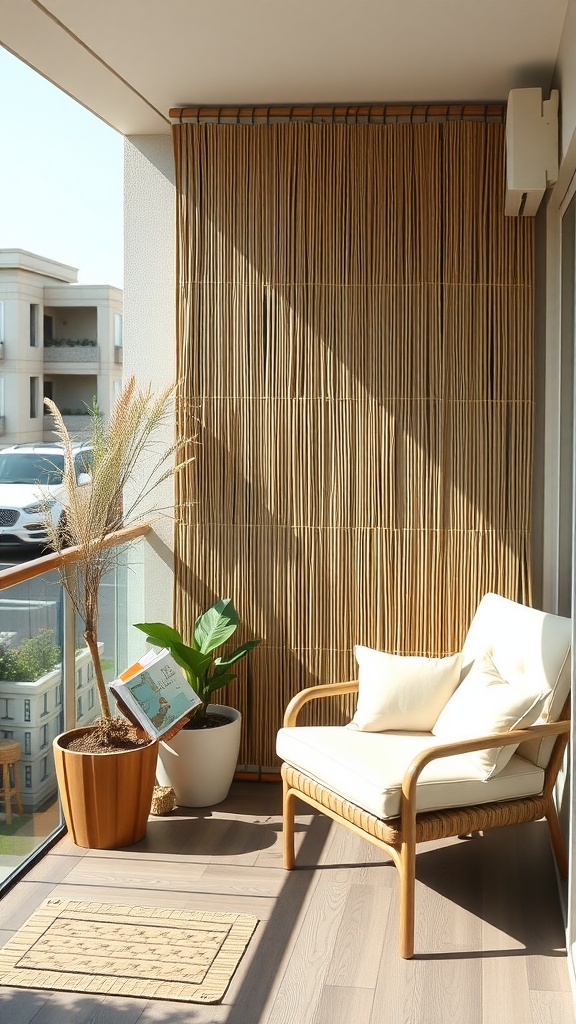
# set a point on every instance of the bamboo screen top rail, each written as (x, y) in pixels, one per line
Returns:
(364, 113)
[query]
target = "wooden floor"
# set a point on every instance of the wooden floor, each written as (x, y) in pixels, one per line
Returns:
(489, 934)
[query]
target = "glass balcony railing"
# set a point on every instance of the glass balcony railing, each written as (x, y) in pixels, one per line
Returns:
(47, 684)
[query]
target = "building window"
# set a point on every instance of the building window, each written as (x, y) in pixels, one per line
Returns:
(28, 776)
(33, 398)
(60, 724)
(44, 742)
(117, 330)
(45, 705)
(79, 708)
(44, 769)
(91, 699)
(89, 671)
(33, 324)
(2, 321)
(78, 678)
(6, 708)
(48, 328)
(27, 717)
(27, 742)
(59, 694)
(7, 734)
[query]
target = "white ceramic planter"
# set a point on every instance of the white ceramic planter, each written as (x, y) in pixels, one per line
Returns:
(199, 764)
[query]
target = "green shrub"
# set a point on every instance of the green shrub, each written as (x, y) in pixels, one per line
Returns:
(70, 343)
(36, 656)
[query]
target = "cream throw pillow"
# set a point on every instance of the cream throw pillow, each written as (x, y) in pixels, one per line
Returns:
(402, 693)
(486, 703)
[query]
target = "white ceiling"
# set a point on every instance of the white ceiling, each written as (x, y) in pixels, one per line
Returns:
(131, 60)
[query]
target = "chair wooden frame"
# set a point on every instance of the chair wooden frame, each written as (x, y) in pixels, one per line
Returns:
(399, 837)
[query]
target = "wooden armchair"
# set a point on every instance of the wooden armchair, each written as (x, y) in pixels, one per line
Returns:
(398, 788)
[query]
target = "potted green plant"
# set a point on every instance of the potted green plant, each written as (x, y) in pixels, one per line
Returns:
(200, 760)
(105, 772)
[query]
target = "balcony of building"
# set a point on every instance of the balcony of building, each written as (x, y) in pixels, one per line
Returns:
(490, 939)
(71, 338)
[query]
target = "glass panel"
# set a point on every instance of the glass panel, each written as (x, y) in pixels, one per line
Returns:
(33, 695)
(118, 330)
(30, 716)
(120, 607)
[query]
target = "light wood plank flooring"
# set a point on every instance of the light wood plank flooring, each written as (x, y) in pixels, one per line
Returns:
(489, 934)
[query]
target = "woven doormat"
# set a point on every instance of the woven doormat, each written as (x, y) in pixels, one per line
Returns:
(127, 951)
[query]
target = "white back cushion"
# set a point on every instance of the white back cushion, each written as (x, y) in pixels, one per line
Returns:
(524, 642)
(486, 703)
(402, 692)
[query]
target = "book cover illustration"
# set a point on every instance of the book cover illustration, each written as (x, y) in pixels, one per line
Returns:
(156, 692)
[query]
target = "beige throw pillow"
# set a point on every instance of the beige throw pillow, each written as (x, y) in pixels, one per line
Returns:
(486, 703)
(397, 693)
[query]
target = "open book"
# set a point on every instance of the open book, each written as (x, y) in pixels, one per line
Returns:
(154, 693)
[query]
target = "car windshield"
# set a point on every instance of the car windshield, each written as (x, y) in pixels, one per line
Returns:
(31, 468)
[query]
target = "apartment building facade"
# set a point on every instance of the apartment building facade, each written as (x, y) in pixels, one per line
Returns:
(58, 339)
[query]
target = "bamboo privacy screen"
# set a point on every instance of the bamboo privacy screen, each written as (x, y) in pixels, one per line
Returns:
(355, 329)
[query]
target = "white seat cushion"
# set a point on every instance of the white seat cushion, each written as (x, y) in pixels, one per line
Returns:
(367, 768)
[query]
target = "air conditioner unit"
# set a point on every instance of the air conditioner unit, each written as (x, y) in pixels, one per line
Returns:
(531, 150)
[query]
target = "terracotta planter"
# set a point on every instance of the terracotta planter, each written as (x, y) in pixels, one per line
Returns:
(106, 798)
(199, 764)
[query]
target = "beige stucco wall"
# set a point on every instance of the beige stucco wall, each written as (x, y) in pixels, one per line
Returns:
(149, 335)
(565, 78)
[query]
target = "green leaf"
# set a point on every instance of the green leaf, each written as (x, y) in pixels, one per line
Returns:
(215, 625)
(238, 653)
(219, 667)
(215, 682)
(195, 664)
(159, 633)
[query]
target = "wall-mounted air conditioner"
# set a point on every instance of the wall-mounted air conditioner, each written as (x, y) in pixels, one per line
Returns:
(531, 150)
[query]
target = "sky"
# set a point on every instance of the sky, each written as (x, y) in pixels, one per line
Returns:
(61, 177)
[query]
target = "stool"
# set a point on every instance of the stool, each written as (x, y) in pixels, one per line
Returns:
(9, 757)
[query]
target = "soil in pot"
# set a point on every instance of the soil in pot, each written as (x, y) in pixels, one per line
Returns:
(109, 736)
(211, 721)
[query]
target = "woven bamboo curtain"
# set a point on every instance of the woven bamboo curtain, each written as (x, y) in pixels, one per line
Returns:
(355, 335)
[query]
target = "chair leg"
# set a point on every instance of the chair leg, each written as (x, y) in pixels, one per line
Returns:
(288, 808)
(556, 839)
(17, 788)
(407, 871)
(6, 789)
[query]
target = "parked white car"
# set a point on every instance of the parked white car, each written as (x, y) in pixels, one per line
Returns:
(30, 481)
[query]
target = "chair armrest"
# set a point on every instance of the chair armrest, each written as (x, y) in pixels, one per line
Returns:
(501, 739)
(315, 693)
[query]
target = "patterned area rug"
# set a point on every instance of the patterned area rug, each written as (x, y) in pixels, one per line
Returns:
(78, 946)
